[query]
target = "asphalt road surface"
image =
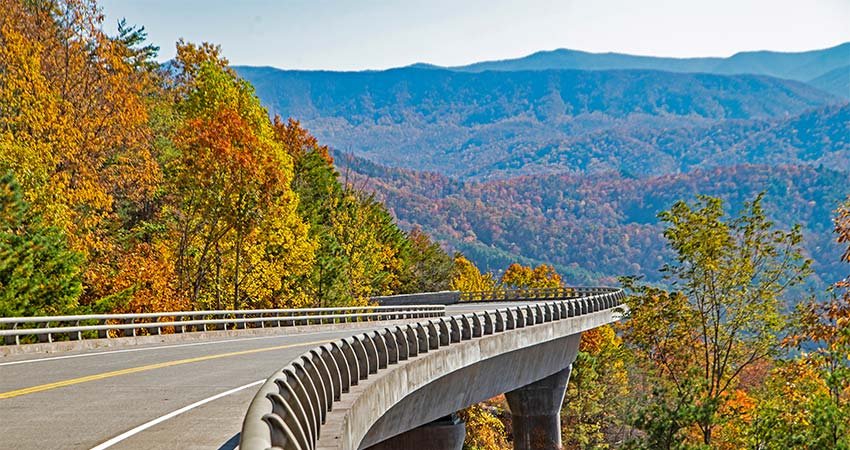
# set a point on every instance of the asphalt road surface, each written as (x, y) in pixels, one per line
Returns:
(187, 395)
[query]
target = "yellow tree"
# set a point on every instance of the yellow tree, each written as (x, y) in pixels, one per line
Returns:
(74, 123)
(484, 431)
(74, 129)
(519, 276)
(467, 277)
(235, 215)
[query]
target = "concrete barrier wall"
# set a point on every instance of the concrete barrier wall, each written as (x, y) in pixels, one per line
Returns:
(428, 298)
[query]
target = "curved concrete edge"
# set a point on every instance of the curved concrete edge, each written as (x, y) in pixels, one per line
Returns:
(343, 424)
(520, 357)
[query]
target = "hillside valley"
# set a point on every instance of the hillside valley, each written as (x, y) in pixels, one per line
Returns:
(594, 228)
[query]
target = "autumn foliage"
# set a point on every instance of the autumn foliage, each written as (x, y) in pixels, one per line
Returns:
(168, 187)
(132, 186)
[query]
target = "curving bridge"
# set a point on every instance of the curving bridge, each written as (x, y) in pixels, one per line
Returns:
(379, 377)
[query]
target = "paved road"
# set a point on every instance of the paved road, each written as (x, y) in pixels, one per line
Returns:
(189, 395)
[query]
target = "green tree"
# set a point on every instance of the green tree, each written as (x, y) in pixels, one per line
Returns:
(428, 268)
(732, 273)
(595, 393)
(39, 274)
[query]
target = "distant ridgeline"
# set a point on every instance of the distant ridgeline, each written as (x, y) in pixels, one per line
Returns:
(566, 157)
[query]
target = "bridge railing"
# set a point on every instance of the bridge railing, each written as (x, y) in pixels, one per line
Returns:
(530, 294)
(49, 328)
(291, 407)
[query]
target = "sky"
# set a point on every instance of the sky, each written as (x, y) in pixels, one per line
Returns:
(379, 34)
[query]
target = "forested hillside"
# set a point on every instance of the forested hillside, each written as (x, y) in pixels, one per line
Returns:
(469, 154)
(816, 137)
(598, 227)
(128, 186)
(453, 122)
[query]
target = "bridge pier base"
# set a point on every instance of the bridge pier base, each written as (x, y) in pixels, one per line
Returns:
(442, 434)
(536, 412)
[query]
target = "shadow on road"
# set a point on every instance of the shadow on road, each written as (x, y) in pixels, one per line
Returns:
(231, 443)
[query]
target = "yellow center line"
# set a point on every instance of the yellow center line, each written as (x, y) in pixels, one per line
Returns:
(115, 373)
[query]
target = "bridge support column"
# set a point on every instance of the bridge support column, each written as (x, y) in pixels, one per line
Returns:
(442, 434)
(536, 412)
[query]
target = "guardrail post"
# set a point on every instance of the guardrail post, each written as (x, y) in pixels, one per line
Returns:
(45, 337)
(13, 340)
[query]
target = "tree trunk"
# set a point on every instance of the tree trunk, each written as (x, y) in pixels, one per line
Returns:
(236, 270)
(217, 277)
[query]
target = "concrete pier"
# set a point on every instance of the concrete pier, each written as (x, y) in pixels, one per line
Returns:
(446, 433)
(536, 412)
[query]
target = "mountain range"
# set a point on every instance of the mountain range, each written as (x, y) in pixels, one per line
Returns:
(452, 122)
(566, 157)
(828, 68)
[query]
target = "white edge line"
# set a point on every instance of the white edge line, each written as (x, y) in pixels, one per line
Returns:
(170, 415)
(162, 347)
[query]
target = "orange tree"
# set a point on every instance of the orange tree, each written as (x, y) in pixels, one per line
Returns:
(234, 211)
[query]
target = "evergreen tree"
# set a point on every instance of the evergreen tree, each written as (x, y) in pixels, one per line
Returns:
(38, 273)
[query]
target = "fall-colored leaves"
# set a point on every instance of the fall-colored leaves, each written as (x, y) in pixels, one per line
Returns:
(713, 352)
(170, 184)
(542, 276)
(467, 277)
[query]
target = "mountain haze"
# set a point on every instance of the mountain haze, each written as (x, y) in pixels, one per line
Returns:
(800, 66)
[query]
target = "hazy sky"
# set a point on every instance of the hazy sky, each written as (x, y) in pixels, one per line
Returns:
(375, 34)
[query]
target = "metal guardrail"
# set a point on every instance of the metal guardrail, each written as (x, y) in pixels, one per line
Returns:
(531, 294)
(47, 328)
(290, 408)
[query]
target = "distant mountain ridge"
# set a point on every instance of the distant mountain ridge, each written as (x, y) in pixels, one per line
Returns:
(801, 66)
(817, 137)
(449, 121)
(836, 82)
